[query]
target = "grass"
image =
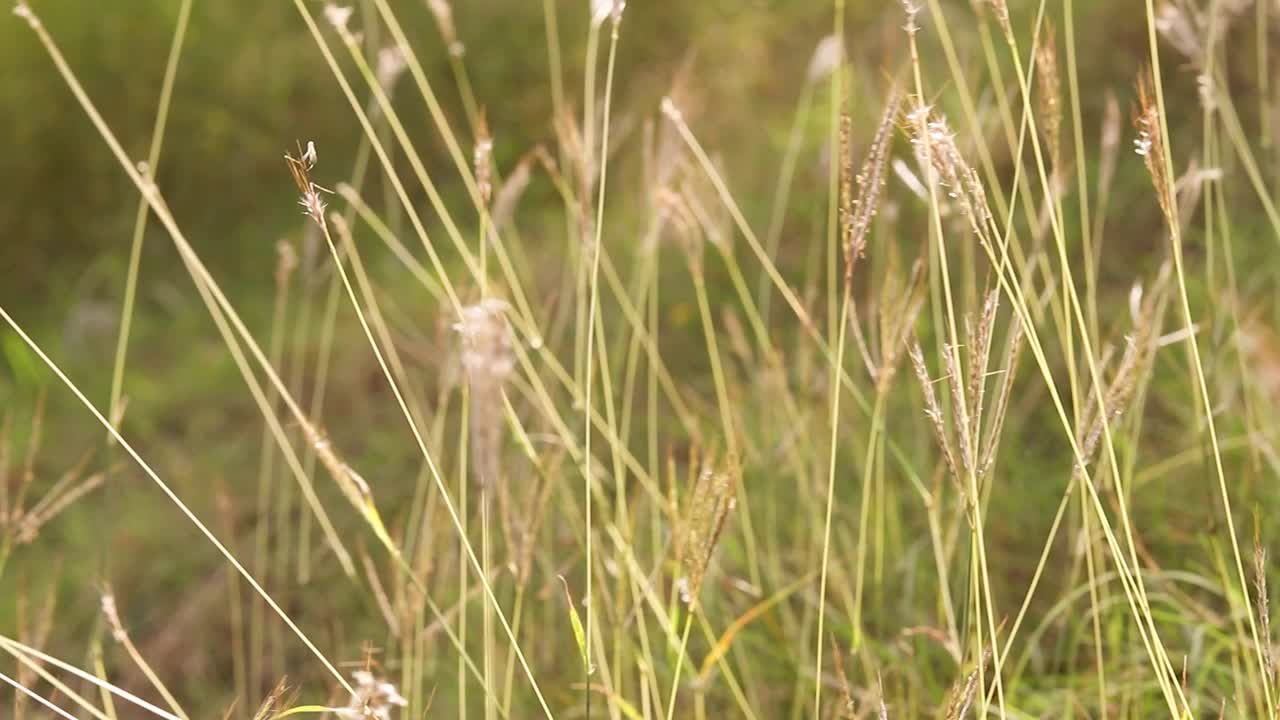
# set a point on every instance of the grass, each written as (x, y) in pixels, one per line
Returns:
(606, 425)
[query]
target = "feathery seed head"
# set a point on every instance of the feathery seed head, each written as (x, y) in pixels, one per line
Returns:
(827, 56)
(1181, 30)
(486, 340)
(443, 13)
(112, 615)
(23, 10)
(858, 212)
(300, 168)
(373, 699)
(391, 65)
(338, 16)
(488, 358)
(912, 10)
(602, 10)
(935, 149)
(1001, 10)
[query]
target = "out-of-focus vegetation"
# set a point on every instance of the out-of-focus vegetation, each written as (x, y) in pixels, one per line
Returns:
(818, 486)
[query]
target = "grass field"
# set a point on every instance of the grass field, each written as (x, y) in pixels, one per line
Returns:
(727, 359)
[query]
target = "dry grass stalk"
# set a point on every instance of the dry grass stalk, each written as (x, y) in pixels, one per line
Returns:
(513, 188)
(709, 507)
(22, 525)
(280, 697)
(353, 486)
(963, 691)
(112, 615)
(34, 632)
(53, 504)
(488, 358)
(483, 158)
(673, 207)
(526, 526)
(380, 594)
(578, 171)
(846, 708)
(711, 216)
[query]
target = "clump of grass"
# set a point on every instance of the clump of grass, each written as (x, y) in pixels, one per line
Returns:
(828, 471)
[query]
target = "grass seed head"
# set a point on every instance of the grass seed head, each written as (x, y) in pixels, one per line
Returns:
(23, 10)
(827, 56)
(310, 199)
(713, 499)
(338, 16)
(1150, 145)
(932, 409)
(1050, 97)
(859, 211)
(935, 148)
(1263, 603)
(513, 188)
(1001, 10)
(373, 699)
(443, 14)
(1000, 410)
(391, 65)
(488, 358)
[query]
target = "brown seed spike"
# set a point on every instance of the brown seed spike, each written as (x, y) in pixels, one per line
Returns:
(1150, 144)
(846, 192)
(1050, 105)
(300, 169)
(1001, 10)
(870, 181)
